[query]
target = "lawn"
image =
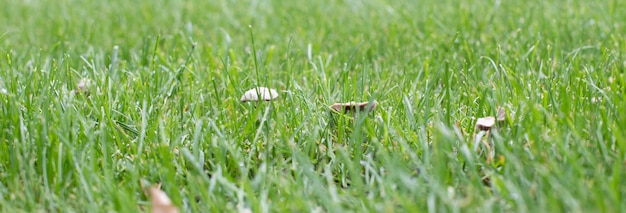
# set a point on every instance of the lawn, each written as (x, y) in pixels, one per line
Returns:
(100, 100)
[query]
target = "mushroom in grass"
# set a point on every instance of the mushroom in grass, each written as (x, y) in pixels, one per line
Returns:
(483, 128)
(485, 123)
(259, 94)
(83, 86)
(354, 107)
(501, 114)
(161, 203)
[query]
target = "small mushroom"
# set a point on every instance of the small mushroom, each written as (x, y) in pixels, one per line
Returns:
(353, 107)
(501, 116)
(161, 203)
(83, 86)
(259, 94)
(485, 123)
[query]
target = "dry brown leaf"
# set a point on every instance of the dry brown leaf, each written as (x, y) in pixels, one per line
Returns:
(161, 203)
(259, 94)
(353, 107)
(485, 123)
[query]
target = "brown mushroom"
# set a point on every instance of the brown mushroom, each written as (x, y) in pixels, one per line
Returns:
(353, 107)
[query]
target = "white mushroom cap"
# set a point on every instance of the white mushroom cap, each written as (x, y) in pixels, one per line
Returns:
(485, 123)
(259, 94)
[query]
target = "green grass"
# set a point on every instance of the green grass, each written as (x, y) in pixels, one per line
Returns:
(167, 77)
